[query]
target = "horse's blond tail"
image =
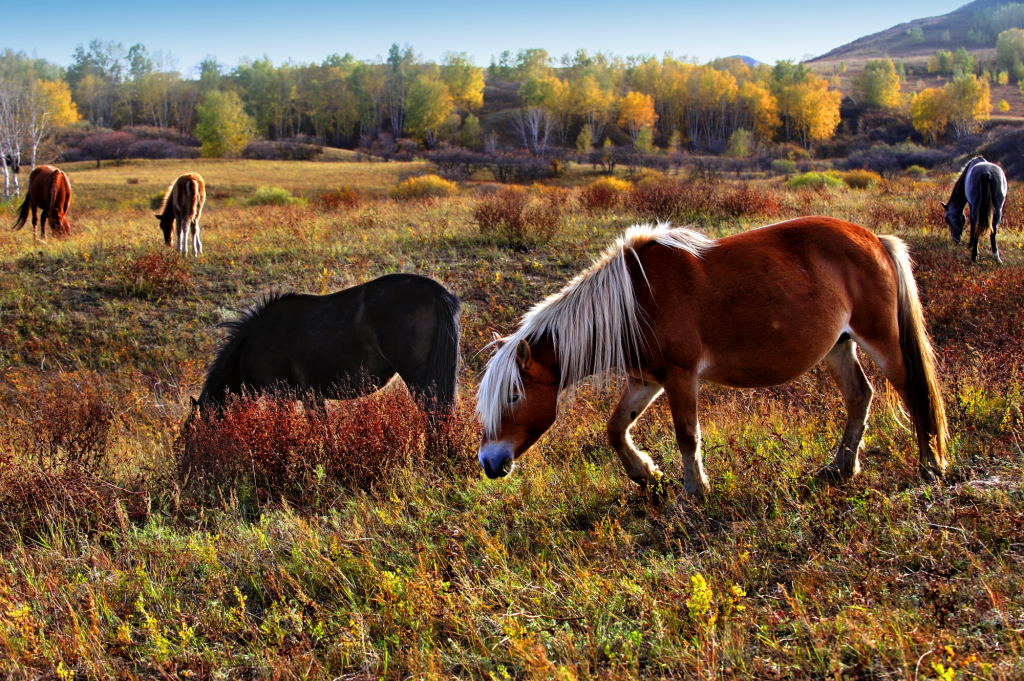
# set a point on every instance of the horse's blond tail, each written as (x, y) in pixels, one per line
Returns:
(923, 394)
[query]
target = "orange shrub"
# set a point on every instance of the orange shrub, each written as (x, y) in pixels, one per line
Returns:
(519, 218)
(605, 193)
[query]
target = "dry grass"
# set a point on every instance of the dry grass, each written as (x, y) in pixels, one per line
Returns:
(357, 548)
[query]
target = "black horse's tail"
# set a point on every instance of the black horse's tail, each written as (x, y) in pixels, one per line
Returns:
(443, 361)
(986, 206)
(22, 213)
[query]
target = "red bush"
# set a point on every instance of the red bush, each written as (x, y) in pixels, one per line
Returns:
(281, 450)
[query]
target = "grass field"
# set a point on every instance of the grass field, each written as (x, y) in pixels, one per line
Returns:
(365, 554)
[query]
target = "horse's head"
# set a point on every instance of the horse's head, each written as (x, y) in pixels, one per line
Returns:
(166, 224)
(955, 219)
(516, 413)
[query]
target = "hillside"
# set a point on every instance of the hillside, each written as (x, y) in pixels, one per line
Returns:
(972, 26)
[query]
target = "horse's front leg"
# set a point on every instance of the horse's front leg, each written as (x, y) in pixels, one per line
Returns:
(180, 227)
(636, 397)
(682, 387)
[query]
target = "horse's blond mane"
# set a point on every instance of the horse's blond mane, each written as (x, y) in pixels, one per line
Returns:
(593, 321)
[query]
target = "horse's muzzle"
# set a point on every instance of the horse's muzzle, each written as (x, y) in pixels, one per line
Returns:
(496, 459)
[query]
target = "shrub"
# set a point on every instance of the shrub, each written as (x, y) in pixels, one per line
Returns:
(519, 218)
(154, 275)
(64, 422)
(281, 151)
(886, 159)
(917, 172)
(160, 148)
(269, 448)
(861, 179)
(784, 166)
(273, 196)
(343, 197)
(748, 200)
(605, 192)
(814, 180)
(424, 187)
(699, 200)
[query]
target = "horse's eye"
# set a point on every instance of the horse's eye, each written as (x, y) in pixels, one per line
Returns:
(513, 398)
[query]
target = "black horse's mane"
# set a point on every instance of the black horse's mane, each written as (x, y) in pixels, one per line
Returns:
(237, 331)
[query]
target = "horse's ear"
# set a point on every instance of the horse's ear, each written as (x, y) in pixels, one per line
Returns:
(943, 205)
(522, 353)
(495, 336)
(193, 403)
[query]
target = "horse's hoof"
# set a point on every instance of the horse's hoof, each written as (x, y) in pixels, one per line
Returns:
(931, 474)
(830, 474)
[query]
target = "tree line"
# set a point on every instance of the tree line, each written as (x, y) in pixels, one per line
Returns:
(536, 102)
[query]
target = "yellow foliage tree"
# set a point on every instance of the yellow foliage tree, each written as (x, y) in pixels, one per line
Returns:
(970, 103)
(812, 108)
(878, 85)
(636, 112)
(762, 109)
(48, 106)
(929, 112)
(592, 102)
(464, 80)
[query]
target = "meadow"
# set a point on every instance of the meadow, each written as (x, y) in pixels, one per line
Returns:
(273, 546)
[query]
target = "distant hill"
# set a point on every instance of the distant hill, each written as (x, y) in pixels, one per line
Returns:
(749, 61)
(973, 26)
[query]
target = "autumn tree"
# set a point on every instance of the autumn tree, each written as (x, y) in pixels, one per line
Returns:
(636, 113)
(428, 107)
(808, 108)
(970, 103)
(465, 82)
(47, 105)
(1010, 49)
(878, 85)
(929, 113)
(224, 127)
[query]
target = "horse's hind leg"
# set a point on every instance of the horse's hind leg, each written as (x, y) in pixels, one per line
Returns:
(845, 368)
(636, 397)
(197, 245)
(997, 214)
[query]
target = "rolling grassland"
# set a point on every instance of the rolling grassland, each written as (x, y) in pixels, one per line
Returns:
(275, 546)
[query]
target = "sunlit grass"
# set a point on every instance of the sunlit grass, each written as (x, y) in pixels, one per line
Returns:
(565, 570)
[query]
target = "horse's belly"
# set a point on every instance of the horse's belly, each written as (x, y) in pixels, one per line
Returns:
(770, 360)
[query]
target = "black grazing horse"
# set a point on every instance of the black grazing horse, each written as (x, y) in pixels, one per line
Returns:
(342, 345)
(982, 185)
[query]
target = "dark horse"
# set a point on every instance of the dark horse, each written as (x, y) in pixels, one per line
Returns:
(12, 163)
(49, 191)
(982, 186)
(182, 207)
(344, 344)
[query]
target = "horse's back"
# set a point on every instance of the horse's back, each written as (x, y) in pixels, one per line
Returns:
(991, 173)
(788, 289)
(362, 333)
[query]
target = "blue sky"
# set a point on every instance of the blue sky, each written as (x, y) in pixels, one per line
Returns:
(306, 31)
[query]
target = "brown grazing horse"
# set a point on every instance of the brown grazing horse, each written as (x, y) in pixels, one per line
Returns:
(183, 205)
(669, 308)
(50, 192)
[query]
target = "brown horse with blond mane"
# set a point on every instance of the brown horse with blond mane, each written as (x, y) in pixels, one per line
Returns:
(182, 207)
(50, 192)
(668, 308)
